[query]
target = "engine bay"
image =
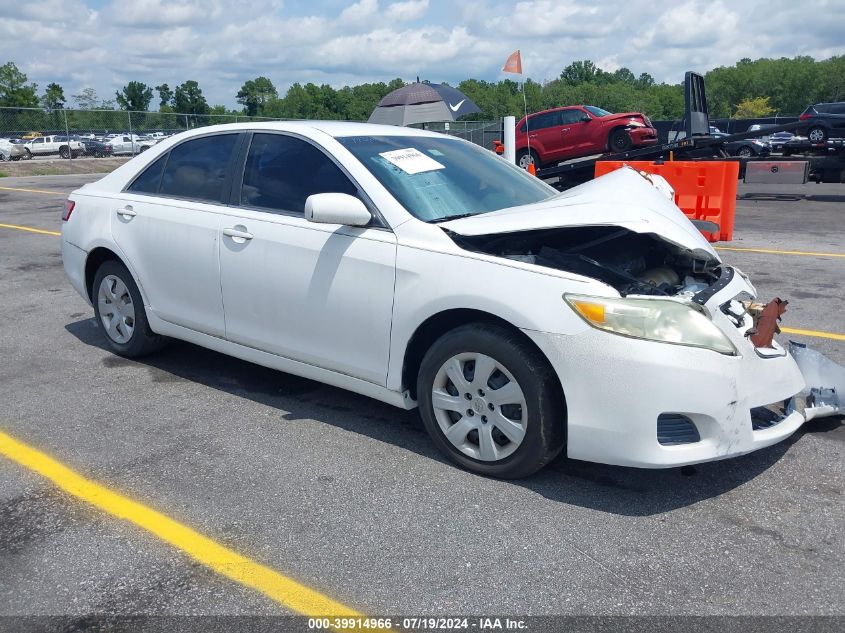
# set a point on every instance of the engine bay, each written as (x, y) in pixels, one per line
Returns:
(632, 263)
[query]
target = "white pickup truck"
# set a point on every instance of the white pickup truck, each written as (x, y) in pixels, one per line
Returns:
(129, 143)
(46, 145)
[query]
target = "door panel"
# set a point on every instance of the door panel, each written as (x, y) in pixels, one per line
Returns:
(172, 246)
(320, 294)
(578, 133)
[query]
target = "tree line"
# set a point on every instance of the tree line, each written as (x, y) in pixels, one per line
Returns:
(747, 89)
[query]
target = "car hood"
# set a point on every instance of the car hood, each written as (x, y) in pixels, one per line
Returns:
(624, 115)
(621, 198)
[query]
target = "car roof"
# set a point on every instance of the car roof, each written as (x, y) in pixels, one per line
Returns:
(336, 129)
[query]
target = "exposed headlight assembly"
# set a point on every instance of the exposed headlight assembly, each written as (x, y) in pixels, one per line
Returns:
(652, 320)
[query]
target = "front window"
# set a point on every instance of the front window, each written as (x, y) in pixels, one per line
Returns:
(436, 179)
(596, 111)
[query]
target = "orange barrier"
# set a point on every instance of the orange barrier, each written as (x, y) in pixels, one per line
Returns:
(704, 190)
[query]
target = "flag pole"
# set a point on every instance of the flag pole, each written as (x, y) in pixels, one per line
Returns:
(527, 131)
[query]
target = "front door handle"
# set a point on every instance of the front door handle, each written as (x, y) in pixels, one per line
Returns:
(238, 233)
(126, 212)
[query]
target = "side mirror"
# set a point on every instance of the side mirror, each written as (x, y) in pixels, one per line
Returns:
(586, 118)
(336, 208)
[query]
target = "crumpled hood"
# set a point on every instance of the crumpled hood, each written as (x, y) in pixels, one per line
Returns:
(621, 198)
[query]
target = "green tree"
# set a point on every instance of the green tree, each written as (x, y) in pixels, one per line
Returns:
(255, 93)
(53, 97)
(753, 108)
(165, 96)
(188, 99)
(14, 89)
(583, 71)
(135, 96)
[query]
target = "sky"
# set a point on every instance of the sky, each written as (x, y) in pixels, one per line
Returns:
(104, 44)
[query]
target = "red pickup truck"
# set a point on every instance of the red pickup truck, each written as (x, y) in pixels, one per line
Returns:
(562, 133)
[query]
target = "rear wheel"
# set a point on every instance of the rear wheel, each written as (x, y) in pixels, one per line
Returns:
(120, 313)
(619, 141)
(817, 134)
(524, 157)
(491, 402)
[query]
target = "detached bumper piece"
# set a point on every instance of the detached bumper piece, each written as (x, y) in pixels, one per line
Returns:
(825, 391)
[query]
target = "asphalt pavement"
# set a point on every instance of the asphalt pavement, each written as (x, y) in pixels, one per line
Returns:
(347, 496)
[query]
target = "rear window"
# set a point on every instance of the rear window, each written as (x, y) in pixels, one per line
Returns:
(198, 168)
(150, 178)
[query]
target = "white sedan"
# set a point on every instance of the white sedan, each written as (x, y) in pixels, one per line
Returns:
(422, 270)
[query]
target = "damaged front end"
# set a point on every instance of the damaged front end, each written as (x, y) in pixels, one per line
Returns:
(632, 263)
(670, 287)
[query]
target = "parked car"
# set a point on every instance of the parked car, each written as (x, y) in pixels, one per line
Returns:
(778, 139)
(744, 148)
(559, 134)
(758, 127)
(822, 121)
(520, 320)
(96, 148)
(9, 150)
(54, 144)
(129, 143)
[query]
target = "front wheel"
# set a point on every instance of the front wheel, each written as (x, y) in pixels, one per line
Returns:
(619, 141)
(120, 313)
(64, 152)
(745, 152)
(28, 155)
(491, 402)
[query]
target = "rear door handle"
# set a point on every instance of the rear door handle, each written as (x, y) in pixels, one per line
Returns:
(126, 212)
(238, 233)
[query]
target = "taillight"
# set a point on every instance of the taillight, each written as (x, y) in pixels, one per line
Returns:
(805, 116)
(69, 204)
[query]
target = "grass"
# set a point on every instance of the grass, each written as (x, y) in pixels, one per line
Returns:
(3, 174)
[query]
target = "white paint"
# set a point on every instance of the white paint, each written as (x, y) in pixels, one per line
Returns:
(510, 138)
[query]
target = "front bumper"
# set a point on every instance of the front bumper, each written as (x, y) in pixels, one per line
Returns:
(643, 135)
(617, 387)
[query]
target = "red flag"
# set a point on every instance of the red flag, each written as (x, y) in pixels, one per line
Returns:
(514, 63)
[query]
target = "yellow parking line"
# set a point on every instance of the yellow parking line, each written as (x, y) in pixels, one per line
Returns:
(772, 251)
(816, 333)
(52, 193)
(222, 560)
(28, 228)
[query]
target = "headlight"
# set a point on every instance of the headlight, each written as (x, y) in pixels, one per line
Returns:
(633, 123)
(652, 320)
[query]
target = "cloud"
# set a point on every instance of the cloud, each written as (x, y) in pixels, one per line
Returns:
(221, 44)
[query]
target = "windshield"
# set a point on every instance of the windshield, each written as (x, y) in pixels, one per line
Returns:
(597, 111)
(440, 178)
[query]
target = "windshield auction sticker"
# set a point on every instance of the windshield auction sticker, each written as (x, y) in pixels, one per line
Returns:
(412, 161)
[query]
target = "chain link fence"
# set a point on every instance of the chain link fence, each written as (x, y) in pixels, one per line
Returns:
(481, 133)
(19, 122)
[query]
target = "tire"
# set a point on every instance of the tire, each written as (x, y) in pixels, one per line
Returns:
(745, 152)
(817, 134)
(64, 152)
(532, 414)
(619, 141)
(524, 156)
(28, 155)
(131, 335)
